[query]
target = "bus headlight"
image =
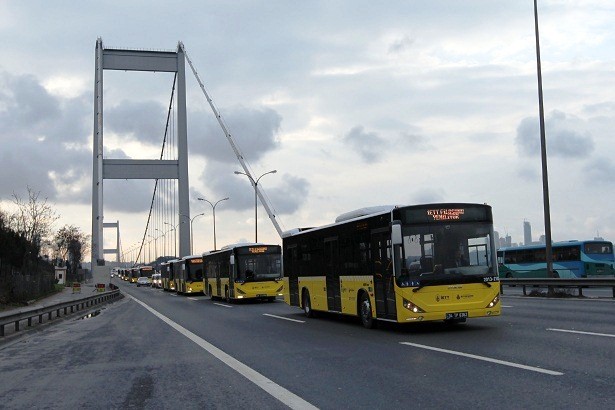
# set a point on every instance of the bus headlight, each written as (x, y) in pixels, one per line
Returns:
(411, 306)
(494, 302)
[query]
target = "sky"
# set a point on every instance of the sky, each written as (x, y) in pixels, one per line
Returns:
(354, 103)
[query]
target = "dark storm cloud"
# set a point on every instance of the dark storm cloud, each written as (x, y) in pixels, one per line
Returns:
(143, 121)
(367, 144)
(254, 130)
(285, 192)
(565, 137)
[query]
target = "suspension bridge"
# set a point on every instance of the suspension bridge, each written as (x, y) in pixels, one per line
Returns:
(167, 232)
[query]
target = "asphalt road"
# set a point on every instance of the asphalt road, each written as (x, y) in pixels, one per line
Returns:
(163, 352)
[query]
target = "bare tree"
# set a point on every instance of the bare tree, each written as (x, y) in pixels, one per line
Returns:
(33, 219)
(70, 243)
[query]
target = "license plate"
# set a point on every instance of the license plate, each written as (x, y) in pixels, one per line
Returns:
(457, 315)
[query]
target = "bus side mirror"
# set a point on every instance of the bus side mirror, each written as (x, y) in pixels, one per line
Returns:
(232, 260)
(396, 237)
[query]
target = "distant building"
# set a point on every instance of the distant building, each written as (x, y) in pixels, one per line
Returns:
(542, 240)
(527, 232)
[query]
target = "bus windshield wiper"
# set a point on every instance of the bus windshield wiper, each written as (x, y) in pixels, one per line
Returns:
(421, 286)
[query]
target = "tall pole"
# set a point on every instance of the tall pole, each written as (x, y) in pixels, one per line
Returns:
(174, 229)
(192, 232)
(543, 152)
(164, 242)
(255, 183)
(213, 208)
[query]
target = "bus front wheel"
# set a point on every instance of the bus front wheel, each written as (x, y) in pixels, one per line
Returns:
(365, 312)
(307, 305)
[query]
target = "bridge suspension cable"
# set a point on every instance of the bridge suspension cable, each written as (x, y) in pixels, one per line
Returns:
(240, 157)
(163, 189)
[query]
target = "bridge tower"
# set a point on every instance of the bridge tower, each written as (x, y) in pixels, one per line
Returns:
(139, 60)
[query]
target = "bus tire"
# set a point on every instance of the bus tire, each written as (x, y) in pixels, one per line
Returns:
(365, 311)
(307, 305)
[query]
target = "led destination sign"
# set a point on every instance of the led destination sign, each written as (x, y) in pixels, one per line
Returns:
(446, 214)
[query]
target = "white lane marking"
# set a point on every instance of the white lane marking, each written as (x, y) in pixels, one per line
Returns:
(486, 359)
(285, 396)
(220, 304)
(284, 318)
(581, 333)
(193, 298)
(507, 306)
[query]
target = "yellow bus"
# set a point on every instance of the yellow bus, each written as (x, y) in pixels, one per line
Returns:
(167, 269)
(397, 264)
(189, 274)
(134, 275)
(146, 271)
(244, 271)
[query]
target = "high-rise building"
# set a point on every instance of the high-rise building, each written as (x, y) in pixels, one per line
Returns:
(527, 232)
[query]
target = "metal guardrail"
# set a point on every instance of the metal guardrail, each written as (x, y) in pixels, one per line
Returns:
(73, 305)
(579, 283)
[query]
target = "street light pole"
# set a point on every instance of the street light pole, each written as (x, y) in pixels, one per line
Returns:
(174, 229)
(255, 183)
(213, 208)
(192, 230)
(164, 241)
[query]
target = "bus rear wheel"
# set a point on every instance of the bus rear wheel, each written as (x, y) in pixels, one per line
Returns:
(307, 305)
(365, 312)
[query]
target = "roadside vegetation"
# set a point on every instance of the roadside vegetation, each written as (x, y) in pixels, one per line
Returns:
(31, 248)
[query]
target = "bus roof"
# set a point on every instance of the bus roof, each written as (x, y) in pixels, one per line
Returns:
(357, 214)
(554, 244)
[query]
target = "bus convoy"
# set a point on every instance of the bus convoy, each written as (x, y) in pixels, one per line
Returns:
(401, 264)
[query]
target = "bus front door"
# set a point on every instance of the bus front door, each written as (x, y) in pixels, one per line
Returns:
(384, 286)
(331, 262)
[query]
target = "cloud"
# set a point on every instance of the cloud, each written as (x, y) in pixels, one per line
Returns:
(43, 139)
(401, 45)
(415, 142)
(132, 196)
(600, 171)
(255, 130)
(428, 195)
(367, 144)
(286, 192)
(566, 137)
(142, 121)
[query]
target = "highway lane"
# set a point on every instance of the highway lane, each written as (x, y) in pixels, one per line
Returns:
(333, 362)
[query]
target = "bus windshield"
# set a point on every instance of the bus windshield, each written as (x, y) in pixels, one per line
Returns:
(443, 253)
(599, 248)
(259, 267)
(194, 272)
